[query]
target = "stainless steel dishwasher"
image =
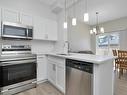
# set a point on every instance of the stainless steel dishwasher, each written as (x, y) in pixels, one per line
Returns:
(79, 77)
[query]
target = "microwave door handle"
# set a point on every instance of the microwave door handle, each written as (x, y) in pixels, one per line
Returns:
(27, 33)
(16, 62)
(2, 29)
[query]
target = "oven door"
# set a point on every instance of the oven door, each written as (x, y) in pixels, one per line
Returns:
(13, 72)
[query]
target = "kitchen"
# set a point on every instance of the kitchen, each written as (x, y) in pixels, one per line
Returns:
(51, 42)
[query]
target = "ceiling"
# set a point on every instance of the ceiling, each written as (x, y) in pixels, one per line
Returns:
(48, 2)
(51, 2)
(108, 9)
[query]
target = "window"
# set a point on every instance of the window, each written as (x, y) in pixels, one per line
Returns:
(102, 40)
(108, 39)
(114, 39)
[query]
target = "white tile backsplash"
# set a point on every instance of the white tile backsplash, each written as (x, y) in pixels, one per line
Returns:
(38, 47)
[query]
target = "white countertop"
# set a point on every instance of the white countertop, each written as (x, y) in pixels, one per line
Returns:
(97, 59)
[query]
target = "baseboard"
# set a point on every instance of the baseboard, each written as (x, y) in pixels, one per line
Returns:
(42, 81)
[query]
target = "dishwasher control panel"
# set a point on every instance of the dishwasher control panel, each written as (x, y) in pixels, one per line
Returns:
(80, 65)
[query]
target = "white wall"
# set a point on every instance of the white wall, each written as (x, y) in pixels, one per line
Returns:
(80, 39)
(123, 40)
(79, 36)
(62, 35)
(115, 25)
(93, 43)
(33, 7)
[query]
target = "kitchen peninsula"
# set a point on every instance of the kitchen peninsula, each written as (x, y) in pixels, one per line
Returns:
(102, 77)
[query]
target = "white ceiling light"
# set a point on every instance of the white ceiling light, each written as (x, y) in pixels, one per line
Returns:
(86, 14)
(74, 20)
(65, 25)
(102, 30)
(86, 17)
(65, 22)
(97, 29)
(91, 31)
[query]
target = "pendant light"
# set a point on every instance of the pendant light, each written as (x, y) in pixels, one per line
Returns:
(97, 30)
(74, 20)
(86, 14)
(65, 15)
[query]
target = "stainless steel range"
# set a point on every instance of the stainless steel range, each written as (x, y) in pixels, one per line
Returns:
(17, 69)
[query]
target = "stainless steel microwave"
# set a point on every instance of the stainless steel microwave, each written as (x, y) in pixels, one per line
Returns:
(16, 31)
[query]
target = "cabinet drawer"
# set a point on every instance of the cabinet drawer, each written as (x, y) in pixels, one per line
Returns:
(57, 60)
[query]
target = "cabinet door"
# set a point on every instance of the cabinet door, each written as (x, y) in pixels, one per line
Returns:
(26, 19)
(39, 28)
(51, 29)
(60, 79)
(10, 15)
(52, 72)
(0, 15)
(0, 20)
(41, 68)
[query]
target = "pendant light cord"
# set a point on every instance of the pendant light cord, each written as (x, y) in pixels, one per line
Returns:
(65, 10)
(86, 6)
(74, 8)
(97, 18)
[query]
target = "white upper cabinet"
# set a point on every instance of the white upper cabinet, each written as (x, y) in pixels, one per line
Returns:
(51, 30)
(16, 17)
(10, 15)
(0, 21)
(0, 15)
(45, 29)
(26, 19)
(39, 28)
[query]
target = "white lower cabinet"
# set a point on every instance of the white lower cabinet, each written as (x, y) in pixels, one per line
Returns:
(60, 78)
(52, 72)
(56, 72)
(41, 68)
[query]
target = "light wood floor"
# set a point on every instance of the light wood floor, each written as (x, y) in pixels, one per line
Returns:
(121, 84)
(47, 89)
(43, 89)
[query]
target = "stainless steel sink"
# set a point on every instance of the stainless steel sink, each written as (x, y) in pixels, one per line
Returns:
(65, 54)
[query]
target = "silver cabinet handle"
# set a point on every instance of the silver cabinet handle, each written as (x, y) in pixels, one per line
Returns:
(54, 67)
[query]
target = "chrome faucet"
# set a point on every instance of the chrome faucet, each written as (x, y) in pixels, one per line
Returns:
(68, 46)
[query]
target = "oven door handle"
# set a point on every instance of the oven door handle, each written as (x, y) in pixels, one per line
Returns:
(17, 62)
